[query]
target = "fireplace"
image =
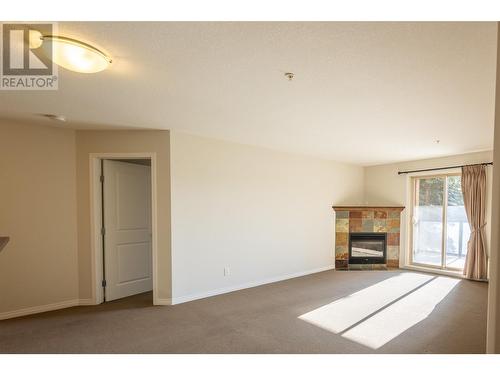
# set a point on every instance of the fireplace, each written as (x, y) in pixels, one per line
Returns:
(381, 223)
(367, 248)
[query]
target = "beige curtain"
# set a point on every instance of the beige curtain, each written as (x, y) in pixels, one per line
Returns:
(474, 191)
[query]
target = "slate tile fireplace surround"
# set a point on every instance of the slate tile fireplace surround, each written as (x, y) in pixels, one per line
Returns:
(367, 248)
(367, 237)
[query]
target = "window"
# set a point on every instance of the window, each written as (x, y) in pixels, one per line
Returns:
(439, 225)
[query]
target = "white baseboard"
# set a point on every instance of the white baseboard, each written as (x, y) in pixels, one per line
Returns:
(457, 274)
(195, 296)
(45, 308)
(39, 309)
(86, 302)
(159, 301)
(163, 301)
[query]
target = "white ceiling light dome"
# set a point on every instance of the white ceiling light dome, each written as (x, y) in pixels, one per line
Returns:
(77, 56)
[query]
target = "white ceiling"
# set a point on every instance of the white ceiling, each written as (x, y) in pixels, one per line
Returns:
(365, 93)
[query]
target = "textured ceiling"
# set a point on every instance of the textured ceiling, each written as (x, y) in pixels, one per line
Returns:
(364, 93)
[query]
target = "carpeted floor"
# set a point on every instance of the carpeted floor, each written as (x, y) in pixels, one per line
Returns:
(372, 312)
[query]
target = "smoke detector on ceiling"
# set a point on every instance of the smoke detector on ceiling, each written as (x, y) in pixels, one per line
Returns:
(290, 76)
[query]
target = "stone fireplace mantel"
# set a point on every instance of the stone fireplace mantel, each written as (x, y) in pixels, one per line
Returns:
(367, 219)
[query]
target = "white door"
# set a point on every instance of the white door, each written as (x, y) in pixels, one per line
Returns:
(127, 224)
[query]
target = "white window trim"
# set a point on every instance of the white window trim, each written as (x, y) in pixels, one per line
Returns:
(406, 237)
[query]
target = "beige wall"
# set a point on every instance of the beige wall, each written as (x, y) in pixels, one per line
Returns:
(124, 141)
(264, 214)
(226, 196)
(493, 331)
(38, 211)
(383, 186)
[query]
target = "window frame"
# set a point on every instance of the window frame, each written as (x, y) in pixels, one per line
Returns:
(413, 197)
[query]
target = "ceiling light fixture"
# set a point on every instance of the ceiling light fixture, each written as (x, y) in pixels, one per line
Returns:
(35, 39)
(77, 56)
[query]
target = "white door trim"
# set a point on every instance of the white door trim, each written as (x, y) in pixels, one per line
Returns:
(96, 220)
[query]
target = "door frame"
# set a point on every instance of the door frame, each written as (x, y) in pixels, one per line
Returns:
(96, 246)
(413, 195)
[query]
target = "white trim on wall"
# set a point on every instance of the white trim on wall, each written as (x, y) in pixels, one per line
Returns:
(85, 302)
(96, 220)
(163, 301)
(39, 309)
(192, 297)
(159, 301)
(95, 225)
(44, 308)
(405, 250)
(457, 274)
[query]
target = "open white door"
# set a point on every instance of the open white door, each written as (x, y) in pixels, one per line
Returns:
(127, 224)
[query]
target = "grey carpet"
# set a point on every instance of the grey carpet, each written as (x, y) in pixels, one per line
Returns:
(257, 320)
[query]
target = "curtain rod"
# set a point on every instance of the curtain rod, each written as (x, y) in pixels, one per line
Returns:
(439, 169)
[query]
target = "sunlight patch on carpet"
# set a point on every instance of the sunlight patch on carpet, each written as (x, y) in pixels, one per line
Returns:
(377, 314)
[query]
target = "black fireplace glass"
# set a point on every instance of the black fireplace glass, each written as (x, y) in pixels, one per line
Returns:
(367, 248)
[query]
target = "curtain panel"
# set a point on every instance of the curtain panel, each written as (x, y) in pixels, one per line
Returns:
(474, 194)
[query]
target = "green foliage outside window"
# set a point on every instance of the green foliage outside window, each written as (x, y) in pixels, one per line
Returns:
(431, 191)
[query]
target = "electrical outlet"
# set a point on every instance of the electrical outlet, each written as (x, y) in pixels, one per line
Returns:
(227, 271)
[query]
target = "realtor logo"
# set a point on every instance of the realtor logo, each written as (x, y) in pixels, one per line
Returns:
(26, 60)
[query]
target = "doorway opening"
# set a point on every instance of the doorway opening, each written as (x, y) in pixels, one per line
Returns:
(123, 209)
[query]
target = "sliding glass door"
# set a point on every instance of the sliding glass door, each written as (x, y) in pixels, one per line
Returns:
(440, 230)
